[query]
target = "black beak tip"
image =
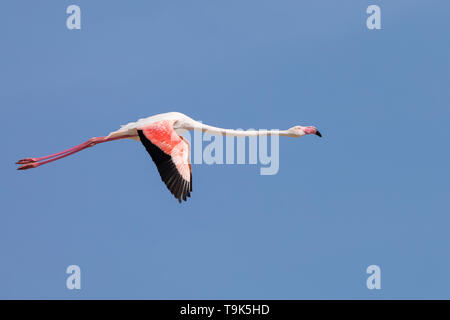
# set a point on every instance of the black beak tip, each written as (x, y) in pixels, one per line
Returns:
(318, 133)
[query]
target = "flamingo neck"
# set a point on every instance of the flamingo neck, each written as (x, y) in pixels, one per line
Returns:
(237, 133)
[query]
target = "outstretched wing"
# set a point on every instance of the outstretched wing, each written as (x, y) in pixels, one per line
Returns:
(170, 152)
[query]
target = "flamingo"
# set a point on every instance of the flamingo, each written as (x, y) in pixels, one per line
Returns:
(161, 136)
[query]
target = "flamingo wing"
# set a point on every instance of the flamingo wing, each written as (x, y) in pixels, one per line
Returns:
(170, 153)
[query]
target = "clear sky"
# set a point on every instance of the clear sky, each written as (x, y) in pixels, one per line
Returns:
(374, 190)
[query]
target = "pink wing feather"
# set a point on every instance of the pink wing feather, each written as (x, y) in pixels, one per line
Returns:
(170, 152)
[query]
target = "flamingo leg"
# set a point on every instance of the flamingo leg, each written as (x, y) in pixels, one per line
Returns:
(37, 164)
(29, 163)
(76, 148)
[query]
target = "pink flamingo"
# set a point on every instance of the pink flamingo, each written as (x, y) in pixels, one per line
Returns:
(161, 136)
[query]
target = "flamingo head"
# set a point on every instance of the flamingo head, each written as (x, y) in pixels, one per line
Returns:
(299, 131)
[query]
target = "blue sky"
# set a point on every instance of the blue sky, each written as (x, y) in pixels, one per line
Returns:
(373, 190)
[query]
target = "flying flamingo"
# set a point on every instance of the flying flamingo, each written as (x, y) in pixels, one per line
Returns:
(161, 136)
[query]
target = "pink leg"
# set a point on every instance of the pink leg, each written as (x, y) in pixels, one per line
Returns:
(37, 164)
(29, 163)
(78, 147)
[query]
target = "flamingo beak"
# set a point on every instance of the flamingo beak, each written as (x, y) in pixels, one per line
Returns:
(318, 133)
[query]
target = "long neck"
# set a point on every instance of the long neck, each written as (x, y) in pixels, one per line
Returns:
(237, 133)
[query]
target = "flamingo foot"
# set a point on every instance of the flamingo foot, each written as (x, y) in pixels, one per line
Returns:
(29, 166)
(26, 160)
